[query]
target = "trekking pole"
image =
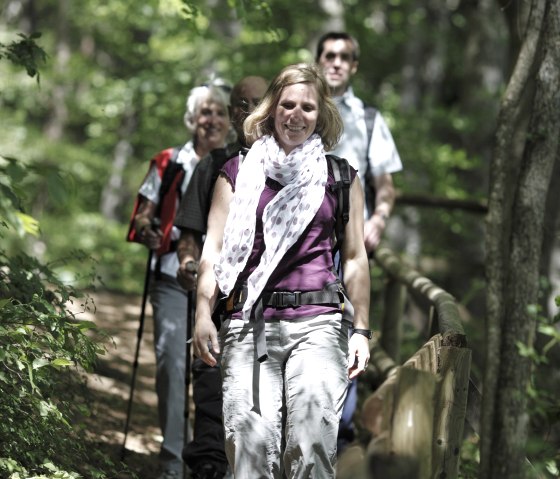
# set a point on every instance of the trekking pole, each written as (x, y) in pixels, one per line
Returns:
(154, 225)
(192, 266)
(190, 311)
(188, 358)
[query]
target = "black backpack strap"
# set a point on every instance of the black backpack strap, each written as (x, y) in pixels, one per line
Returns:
(369, 116)
(341, 186)
(168, 177)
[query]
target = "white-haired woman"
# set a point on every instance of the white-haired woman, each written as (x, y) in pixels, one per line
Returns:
(207, 121)
(283, 347)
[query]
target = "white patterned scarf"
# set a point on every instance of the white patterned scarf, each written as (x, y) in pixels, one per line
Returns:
(303, 173)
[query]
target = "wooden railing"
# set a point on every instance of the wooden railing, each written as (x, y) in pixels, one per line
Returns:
(414, 420)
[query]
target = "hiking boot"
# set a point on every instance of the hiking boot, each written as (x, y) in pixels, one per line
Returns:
(207, 471)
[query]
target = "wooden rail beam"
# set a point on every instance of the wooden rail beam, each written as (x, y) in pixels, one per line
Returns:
(445, 304)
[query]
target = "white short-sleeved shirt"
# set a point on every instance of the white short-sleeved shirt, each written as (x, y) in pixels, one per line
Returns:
(150, 189)
(381, 153)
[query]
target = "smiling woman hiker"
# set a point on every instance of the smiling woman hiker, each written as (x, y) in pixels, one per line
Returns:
(283, 346)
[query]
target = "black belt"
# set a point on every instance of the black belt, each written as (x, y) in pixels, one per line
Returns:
(332, 293)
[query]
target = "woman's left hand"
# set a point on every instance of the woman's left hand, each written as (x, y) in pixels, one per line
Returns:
(358, 355)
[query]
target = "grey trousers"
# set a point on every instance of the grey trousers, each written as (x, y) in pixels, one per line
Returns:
(169, 303)
(281, 416)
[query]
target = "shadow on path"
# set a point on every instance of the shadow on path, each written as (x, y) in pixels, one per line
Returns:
(110, 384)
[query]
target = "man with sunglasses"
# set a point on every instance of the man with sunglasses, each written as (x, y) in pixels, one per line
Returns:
(368, 146)
(367, 142)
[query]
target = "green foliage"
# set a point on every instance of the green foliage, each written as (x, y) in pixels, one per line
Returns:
(25, 53)
(11, 174)
(544, 404)
(44, 349)
(105, 247)
(544, 407)
(470, 458)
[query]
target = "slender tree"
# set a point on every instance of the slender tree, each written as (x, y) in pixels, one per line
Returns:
(514, 239)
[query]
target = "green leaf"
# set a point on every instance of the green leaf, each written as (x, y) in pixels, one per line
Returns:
(87, 325)
(40, 362)
(50, 466)
(549, 330)
(30, 224)
(16, 171)
(62, 362)
(57, 187)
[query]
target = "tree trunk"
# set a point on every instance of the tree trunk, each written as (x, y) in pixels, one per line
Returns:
(516, 14)
(414, 60)
(497, 231)
(111, 196)
(28, 21)
(514, 241)
(335, 11)
(483, 74)
(56, 123)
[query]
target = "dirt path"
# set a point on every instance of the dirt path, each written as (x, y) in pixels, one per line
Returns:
(119, 316)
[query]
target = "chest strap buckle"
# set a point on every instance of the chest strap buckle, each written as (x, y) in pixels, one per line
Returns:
(283, 299)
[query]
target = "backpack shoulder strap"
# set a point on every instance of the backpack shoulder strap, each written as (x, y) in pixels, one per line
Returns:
(341, 186)
(169, 174)
(370, 113)
(369, 116)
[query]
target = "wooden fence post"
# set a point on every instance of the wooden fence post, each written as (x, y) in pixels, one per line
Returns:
(451, 406)
(402, 447)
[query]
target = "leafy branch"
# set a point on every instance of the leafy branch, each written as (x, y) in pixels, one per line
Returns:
(25, 53)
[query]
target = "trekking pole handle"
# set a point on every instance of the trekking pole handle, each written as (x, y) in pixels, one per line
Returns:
(155, 223)
(152, 226)
(192, 266)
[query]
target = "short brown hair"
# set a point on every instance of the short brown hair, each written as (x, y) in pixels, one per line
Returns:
(337, 36)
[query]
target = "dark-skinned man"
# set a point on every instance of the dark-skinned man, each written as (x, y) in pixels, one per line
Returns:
(205, 454)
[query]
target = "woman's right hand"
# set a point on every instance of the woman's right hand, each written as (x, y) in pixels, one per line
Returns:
(205, 339)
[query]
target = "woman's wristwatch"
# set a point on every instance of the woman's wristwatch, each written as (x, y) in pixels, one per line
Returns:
(368, 333)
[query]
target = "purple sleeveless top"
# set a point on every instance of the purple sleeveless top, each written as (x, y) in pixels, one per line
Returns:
(308, 264)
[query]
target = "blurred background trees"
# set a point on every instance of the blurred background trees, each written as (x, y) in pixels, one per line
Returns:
(112, 88)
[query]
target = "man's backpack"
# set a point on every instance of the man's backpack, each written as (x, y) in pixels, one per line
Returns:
(170, 176)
